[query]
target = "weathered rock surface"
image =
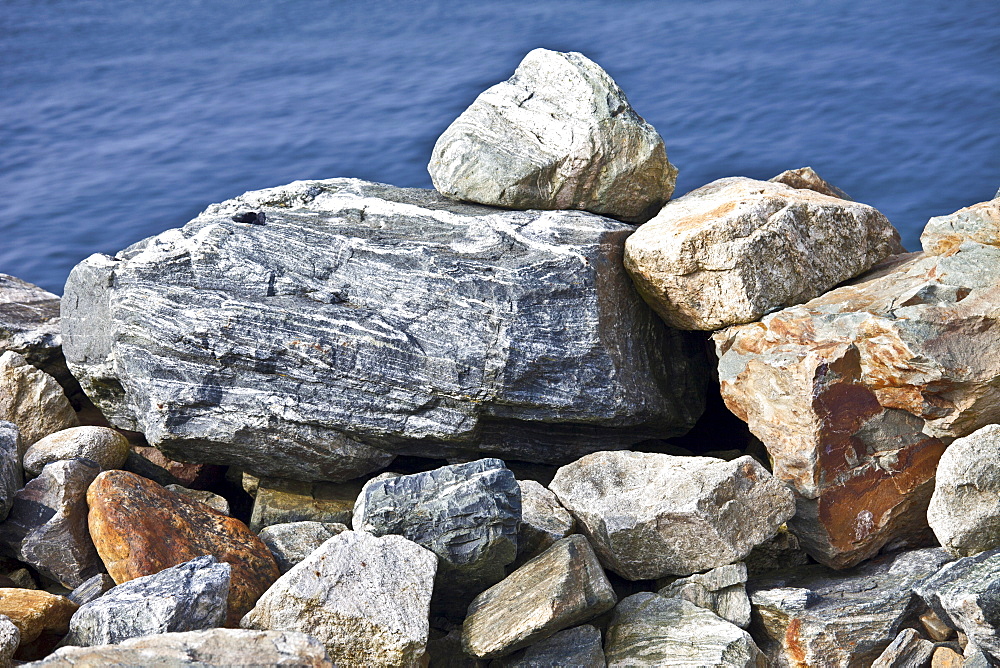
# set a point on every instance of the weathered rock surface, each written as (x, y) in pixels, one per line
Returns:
(806, 178)
(189, 474)
(47, 524)
(279, 501)
(363, 320)
(543, 520)
(32, 400)
(650, 515)
(466, 514)
(199, 649)
(562, 587)
(91, 589)
(736, 249)
(946, 657)
(908, 650)
(857, 392)
(366, 598)
(140, 528)
(10, 638)
(579, 646)
(35, 612)
(779, 553)
(11, 477)
(721, 590)
(104, 446)
(559, 134)
(813, 615)
(29, 326)
(187, 597)
(210, 499)
(292, 542)
(647, 629)
(979, 223)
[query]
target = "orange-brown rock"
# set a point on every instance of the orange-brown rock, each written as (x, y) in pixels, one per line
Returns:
(140, 528)
(35, 612)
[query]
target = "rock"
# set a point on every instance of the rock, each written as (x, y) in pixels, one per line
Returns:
(11, 478)
(857, 392)
(47, 524)
(936, 629)
(543, 520)
(104, 446)
(562, 587)
(781, 552)
(979, 223)
(10, 638)
(187, 597)
(445, 329)
(199, 649)
(29, 326)
(945, 657)
(142, 467)
(579, 646)
(32, 400)
(444, 650)
(813, 615)
(292, 542)
(466, 514)
(36, 612)
(649, 630)
(366, 598)
(908, 650)
(282, 501)
(91, 589)
(559, 134)
(140, 528)
(189, 474)
(213, 501)
(736, 249)
(721, 590)
(650, 515)
(964, 511)
(806, 178)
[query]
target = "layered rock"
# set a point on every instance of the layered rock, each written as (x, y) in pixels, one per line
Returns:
(106, 447)
(721, 590)
(559, 134)
(91, 589)
(650, 515)
(29, 326)
(807, 178)
(907, 650)
(11, 476)
(363, 320)
(292, 542)
(32, 400)
(579, 646)
(281, 501)
(543, 520)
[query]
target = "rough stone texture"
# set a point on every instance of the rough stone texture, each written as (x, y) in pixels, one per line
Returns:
(11, 477)
(649, 515)
(466, 514)
(140, 528)
(647, 629)
(813, 615)
(806, 178)
(32, 400)
(213, 501)
(47, 524)
(10, 638)
(934, 628)
(104, 446)
(964, 511)
(562, 587)
(857, 392)
(279, 501)
(363, 319)
(92, 589)
(444, 650)
(35, 612)
(580, 646)
(292, 542)
(908, 650)
(946, 657)
(199, 649)
(559, 134)
(781, 552)
(979, 223)
(366, 598)
(189, 474)
(543, 520)
(187, 597)
(29, 325)
(721, 590)
(731, 251)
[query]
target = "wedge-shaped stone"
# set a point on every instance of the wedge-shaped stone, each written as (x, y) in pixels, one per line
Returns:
(721, 590)
(908, 650)
(807, 178)
(11, 476)
(278, 501)
(29, 326)
(104, 446)
(210, 499)
(560, 588)
(292, 542)
(579, 646)
(32, 400)
(543, 520)
(979, 223)
(650, 515)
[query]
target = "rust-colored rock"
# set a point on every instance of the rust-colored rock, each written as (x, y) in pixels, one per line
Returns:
(35, 612)
(140, 528)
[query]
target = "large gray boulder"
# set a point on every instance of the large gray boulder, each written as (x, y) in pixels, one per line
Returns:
(559, 134)
(363, 320)
(11, 475)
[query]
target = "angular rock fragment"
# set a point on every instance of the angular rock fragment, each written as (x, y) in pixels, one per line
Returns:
(650, 515)
(11, 477)
(979, 223)
(579, 646)
(934, 628)
(29, 326)
(213, 501)
(736, 249)
(807, 178)
(908, 650)
(779, 553)
(32, 400)
(10, 638)
(187, 597)
(649, 630)
(946, 657)
(721, 590)
(445, 651)
(279, 501)
(104, 446)
(47, 524)
(140, 528)
(36, 612)
(562, 587)
(292, 542)
(559, 134)
(543, 520)
(92, 589)
(365, 320)
(366, 598)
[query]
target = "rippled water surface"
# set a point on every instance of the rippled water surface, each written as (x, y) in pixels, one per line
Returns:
(119, 120)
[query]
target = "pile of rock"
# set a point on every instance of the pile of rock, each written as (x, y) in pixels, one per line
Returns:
(524, 361)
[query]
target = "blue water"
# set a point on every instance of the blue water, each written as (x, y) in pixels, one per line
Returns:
(121, 119)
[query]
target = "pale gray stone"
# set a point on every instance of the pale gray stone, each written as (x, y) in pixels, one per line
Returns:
(278, 501)
(106, 447)
(32, 400)
(543, 521)
(650, 515)
(292, 542)
(29, 325)
(364, 320)
(559, 134)
(908, 650)
(366, 598)
(579, 646)
(91, 589)
(647, 629)
(10, 638)
(11, 476)
(979, 223)
(721, 590)
(210, 499)
(187, 597)
(807, 178)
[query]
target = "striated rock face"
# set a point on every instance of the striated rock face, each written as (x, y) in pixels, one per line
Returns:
(104, 446)
(731, 251)
(32, 400)
(140, 528)
(543, 520)
(363, 320)
(721, 590)
(36, 612)
(979, 223)
(366, 598)
(11, 476)
(650, 515)
(807, 178)
(91, 589)
(579, 646)
(29, 326)
(281, 501)
(559, 134)
(292, 542)
(908, 649)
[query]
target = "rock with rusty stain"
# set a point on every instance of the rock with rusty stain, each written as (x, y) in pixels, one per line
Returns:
(578, 646)
(11, 476)
(543, 521)
(279, 501)
(807, 178)
(140, 528)
(815, 616)
(649, 515)
(907, 650)
(979, 223)
(36, 612)
(292, 542)
(735, 249)
(946, 657)
(721, 590)
(106, 447)
(33, 400)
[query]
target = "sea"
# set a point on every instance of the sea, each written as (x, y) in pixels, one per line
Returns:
(122, 119)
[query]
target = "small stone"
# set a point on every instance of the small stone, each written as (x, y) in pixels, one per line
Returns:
(189, 474)
(650, 515)
(807, 178)
(292, 542)
(908, 650)
(213, 501)
(647, 629)
(979, 223)
(10, 638)
(543, 521)
(35, 612)
(11, 478)
(579, 646)
(562, 587)
(721, 590)
(945, 657)
(22, 579)
(280, 501)
(935, 628)
(366, 598)
(104, 446)
(92, 589)
(32, 400)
